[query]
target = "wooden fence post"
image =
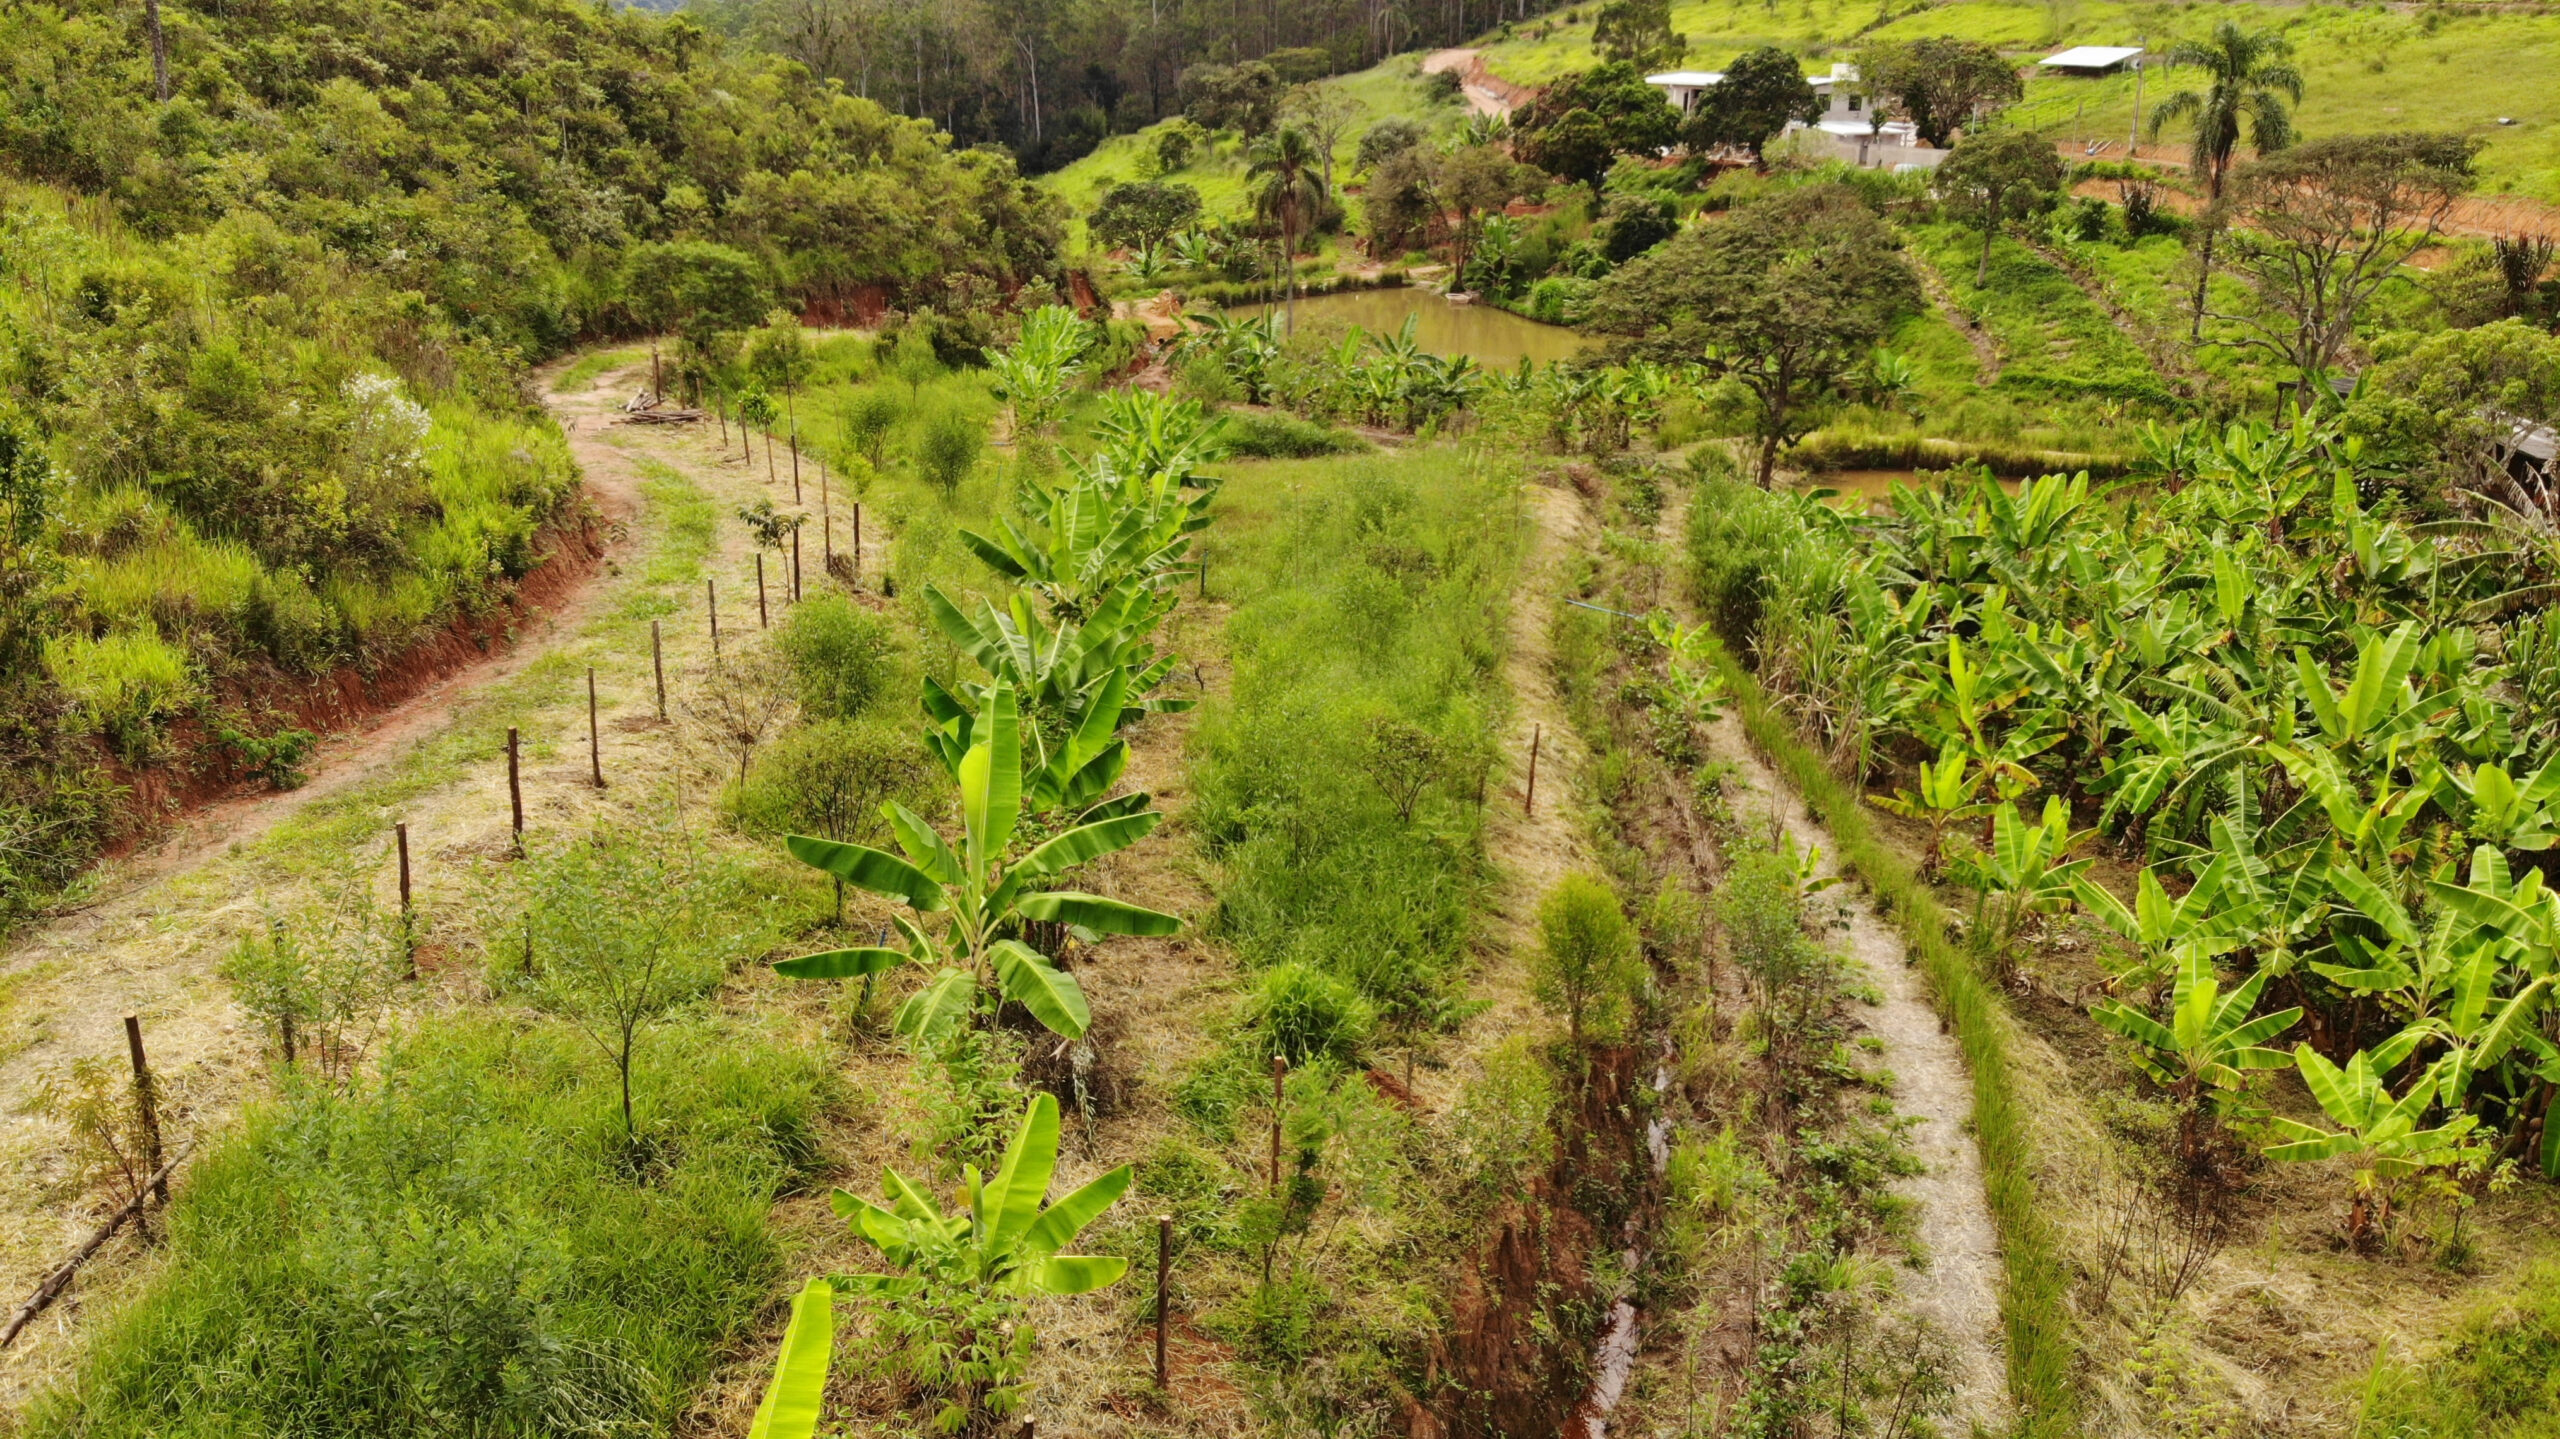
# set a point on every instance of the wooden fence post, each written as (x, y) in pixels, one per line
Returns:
(795, 565)
(857, 542)
(408, 915)
(711, 593)
(826, 519)
(795, 464)
(658, 664)
(1164, 1293)
(515, 791)
(146, 1098)
(595, 737)
(1529, 800)
(764, 620)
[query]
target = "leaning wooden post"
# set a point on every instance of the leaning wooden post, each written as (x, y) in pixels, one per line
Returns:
(795, 566)
(1529, 800)
(826, 519)
(1279, 1073)
(764, 620)
(408, 915)
(515, 790)
(658, 663)
(147, 1099)
(1164, 1293)
(595, 737)
(795, 464)
(711, 595)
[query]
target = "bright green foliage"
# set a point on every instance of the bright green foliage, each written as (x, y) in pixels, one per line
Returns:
(797, 1393)
(2024, 870)
(955, 1310)
(2386, 1139)
(1587, 963)
(1998, 179)
(984, 891)
(1034, 373)
(844, 658)
(2206, 1052)
(1944, 797)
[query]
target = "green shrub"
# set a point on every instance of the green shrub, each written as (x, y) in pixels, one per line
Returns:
(1278, 436)
(1586, 966)
(1301, 1013)
(126, 684)
(829, 778)
(844, 659)
(948, 445)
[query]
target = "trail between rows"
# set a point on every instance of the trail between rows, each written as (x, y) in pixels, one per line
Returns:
(152, 937)
(1959, 1289)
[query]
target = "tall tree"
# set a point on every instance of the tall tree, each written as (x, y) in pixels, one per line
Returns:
(1761, 91)
(1939, 84)
(2248, 82)
(1288, 191)
(1787, 296)
(1581, 123)
(1992, 180)
(1639, 33)
(2327, 224)
(1325, 112)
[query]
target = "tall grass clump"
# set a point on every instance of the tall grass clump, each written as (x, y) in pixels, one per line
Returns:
(2498, 1378)
(461, 1246)
(1337, 784)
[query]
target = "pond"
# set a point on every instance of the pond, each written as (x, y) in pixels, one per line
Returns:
(1495, 338)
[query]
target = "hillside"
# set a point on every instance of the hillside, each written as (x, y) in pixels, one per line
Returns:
(267, 339)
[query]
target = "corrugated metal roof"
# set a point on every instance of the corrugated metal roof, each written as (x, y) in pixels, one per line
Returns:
(2091, 57)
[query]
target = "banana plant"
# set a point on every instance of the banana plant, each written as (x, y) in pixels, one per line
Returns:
(798, 1389)
(1149, 440)
(2164, 931)
(1033, 373)
(2382, 1134)
(1091, 540)
(2025, 870)
(1945, 796)
(1002, 1241)
(1062, 675)
(2205, 1053)
(984, 896)
(2497, 809)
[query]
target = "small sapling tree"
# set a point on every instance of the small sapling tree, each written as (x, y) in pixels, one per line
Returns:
(1586, 966)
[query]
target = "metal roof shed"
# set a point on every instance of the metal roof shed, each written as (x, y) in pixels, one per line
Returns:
(2092, 59)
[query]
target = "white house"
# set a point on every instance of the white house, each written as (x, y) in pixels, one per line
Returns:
(2093, 60)
(1685, 86)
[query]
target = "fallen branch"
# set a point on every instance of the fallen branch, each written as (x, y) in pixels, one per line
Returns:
(661, 417)
(60, 1279)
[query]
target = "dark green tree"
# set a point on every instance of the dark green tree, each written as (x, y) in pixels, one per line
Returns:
(1787, 296)
(1639, 33)
(1141, 214)
(1940, 84)
(1994, 180)
(1761, 91)
(1582, 123)
(695, 289)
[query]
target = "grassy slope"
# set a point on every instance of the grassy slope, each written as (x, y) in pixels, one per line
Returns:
(2363, 69)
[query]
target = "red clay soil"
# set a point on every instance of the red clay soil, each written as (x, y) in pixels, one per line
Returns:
(201, 774)
(1524, 1313)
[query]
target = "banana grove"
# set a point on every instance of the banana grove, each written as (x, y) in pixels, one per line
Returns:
(2321, 724)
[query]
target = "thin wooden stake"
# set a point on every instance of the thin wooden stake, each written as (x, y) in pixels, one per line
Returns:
(826, 519)
(146, 1098)
(515, 790)
(595, 737)
(658, 663)
(857, 542)
(795, 465)
(795, 567)
(1164, 1293)
(764, 620)
(1279, 1072)
(711, 595)
(408, 915)
(1529, 801)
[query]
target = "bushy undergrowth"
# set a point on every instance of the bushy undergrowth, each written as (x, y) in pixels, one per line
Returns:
(2498, 1378)
(1337, 785)
(461, 1246)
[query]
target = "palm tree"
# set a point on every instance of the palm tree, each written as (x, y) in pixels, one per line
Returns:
(2251, 81)
(1292, 189)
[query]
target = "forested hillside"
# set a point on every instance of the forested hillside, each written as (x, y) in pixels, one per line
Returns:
(274, 272)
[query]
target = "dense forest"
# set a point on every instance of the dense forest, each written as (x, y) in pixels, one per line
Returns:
(1051, 80)
(274, 273)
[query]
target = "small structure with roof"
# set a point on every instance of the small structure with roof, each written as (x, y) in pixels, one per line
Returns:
(1683, 87)
(2093, 60)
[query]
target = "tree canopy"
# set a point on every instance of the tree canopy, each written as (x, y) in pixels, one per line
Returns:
(1582, 123)
(1939, 84)
(1761, 91)
(1786, 296)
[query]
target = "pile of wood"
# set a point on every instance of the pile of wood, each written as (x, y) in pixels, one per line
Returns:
(662, 417)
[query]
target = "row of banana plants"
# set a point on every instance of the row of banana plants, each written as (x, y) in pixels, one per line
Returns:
(1036, 749)
(1390, 381)
(2324, 729)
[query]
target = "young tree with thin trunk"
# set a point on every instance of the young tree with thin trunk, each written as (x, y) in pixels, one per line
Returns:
(1995, 179)
(1587, 964)
(2326, 225)
(2248, 85)
(1289, 190)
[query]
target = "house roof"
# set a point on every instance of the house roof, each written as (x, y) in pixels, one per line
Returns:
(1697, 78)
(2091, 57)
